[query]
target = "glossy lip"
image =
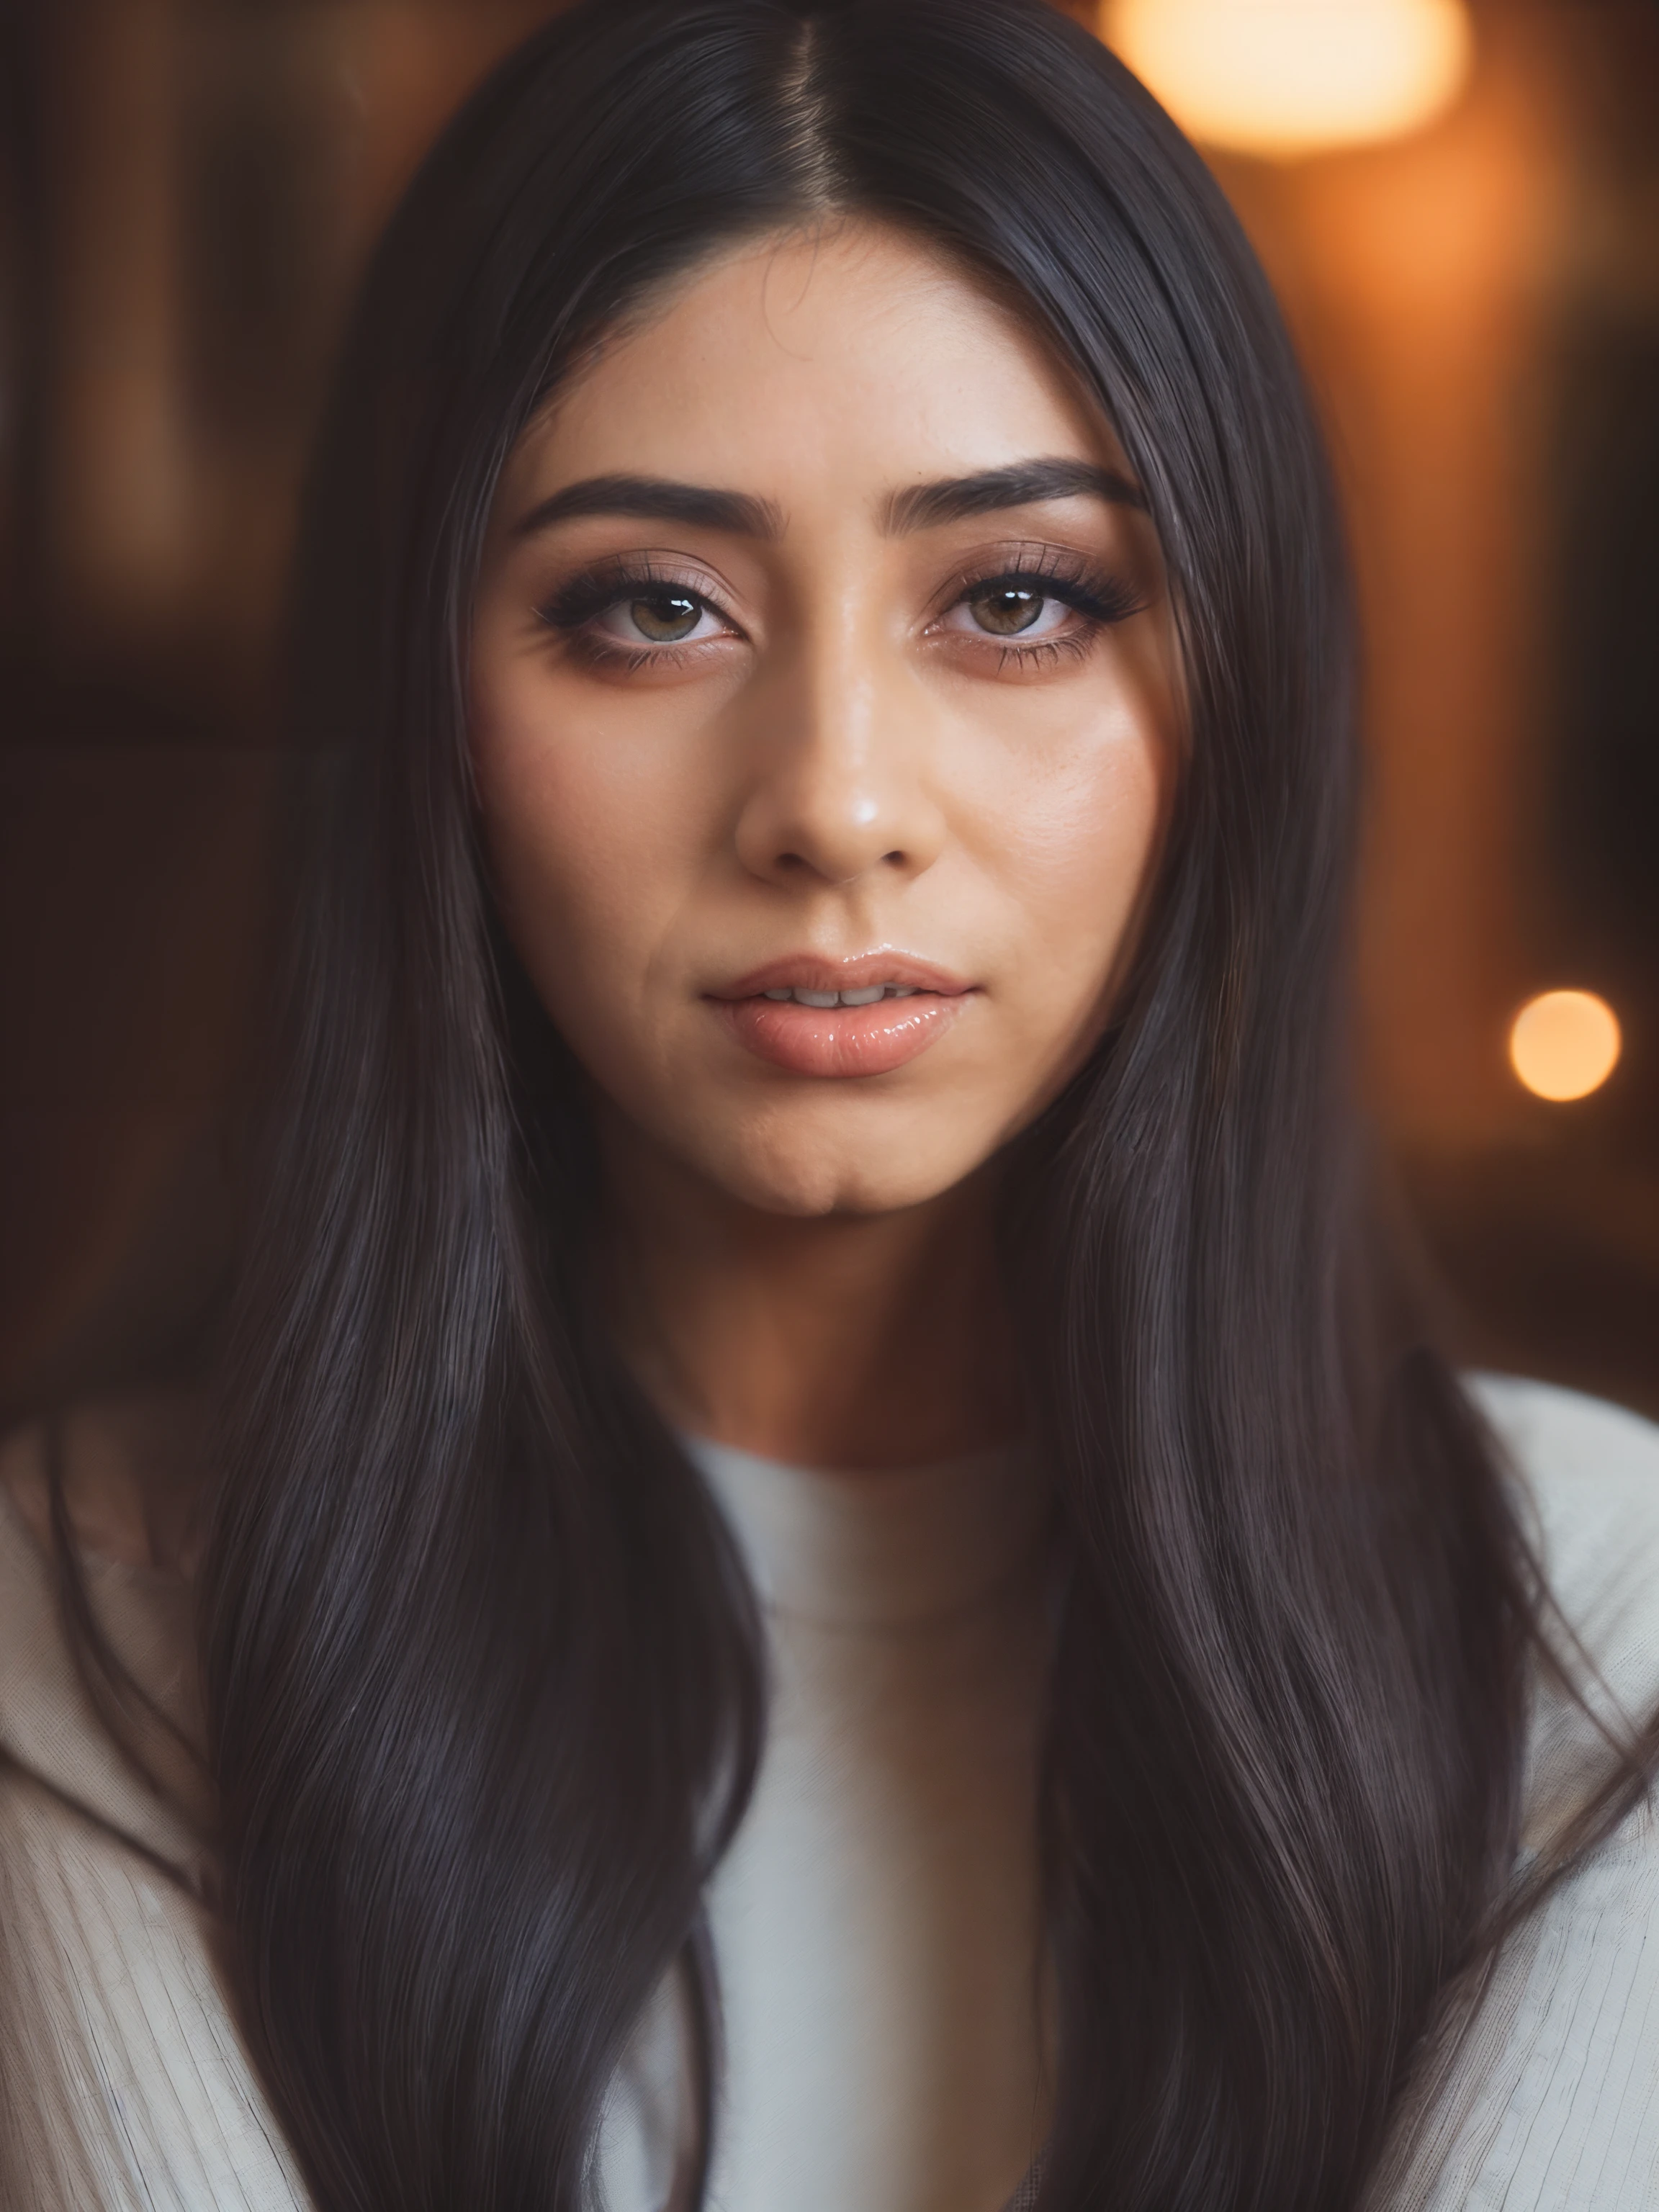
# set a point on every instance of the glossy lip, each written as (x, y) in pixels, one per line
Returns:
(810, 971)
(841, 1042)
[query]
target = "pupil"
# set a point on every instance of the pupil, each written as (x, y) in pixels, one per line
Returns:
(1008, 612)
(665, 615)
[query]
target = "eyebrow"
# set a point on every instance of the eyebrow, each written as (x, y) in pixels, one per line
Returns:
(921, 506)
(1023, 483)
(655, 499)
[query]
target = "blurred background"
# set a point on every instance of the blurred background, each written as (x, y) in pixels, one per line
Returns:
(1459, 207)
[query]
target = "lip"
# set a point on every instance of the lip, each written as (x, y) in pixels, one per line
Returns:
(810, 971)
(841, 1042)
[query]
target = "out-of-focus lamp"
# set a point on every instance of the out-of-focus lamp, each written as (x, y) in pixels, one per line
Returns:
(1565, 1044)
(1295, 77)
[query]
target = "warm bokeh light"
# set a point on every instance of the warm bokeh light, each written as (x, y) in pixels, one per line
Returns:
(1565, 1044)
(1292, 76)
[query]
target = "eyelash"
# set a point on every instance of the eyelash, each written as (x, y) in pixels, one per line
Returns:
(1099, 600)
(594, 592)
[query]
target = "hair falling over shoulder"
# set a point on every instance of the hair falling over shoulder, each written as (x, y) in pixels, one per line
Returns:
(483, 1670)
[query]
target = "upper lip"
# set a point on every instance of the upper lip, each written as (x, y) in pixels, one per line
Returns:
(811, 971)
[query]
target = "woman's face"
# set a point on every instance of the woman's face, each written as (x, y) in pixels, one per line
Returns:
(824, 711)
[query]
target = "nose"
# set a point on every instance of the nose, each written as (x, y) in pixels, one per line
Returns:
(840, 790)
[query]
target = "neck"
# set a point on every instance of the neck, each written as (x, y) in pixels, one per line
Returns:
(852, 1340)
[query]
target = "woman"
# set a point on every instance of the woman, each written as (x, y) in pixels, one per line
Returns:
(838, 1576)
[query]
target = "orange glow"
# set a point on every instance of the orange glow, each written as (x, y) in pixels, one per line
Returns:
(1565, 1044)
(1292, 76)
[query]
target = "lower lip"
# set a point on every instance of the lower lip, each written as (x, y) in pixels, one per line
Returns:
(842, 1040)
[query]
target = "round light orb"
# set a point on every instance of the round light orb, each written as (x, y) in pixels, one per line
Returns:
(1565, 1044)
(1295, 77)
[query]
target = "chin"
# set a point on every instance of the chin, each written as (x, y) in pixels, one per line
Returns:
(807, 1179)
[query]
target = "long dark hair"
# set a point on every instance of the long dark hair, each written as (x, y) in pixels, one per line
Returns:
(482, 1669)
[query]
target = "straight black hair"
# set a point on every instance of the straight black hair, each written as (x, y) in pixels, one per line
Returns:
(483, 1670)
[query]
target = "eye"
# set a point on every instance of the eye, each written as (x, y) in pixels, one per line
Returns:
(668, 615)
(1044, 598)
(1012, 610)
(1016, 610)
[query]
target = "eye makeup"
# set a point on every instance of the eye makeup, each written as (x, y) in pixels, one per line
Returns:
(1013, 596)
(1032, 602)
(607, 583)
(666, 591)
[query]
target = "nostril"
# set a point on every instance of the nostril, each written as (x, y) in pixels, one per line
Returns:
(893, 860)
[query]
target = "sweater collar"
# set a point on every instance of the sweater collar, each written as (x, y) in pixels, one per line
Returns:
(888, 1548)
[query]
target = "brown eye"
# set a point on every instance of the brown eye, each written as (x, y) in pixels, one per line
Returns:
(1007, 609)
(666, 617)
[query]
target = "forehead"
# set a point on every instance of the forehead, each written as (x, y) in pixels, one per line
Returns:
(855, 356)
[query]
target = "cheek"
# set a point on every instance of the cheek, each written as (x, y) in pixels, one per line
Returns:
(590, 844)
(1075, 844)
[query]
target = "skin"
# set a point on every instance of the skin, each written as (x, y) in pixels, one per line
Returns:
(845, 757)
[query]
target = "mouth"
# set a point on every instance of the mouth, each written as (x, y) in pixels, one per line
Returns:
(841, 1019)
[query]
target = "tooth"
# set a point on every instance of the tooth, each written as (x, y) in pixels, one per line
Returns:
(862, 998)
(817, 998)
(905, 990)
(777, 994)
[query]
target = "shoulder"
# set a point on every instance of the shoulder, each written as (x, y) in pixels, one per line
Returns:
(1585, 1454)
(1551, 2101)
(124, 2081)
(145, 1787)
(1589, 1473)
